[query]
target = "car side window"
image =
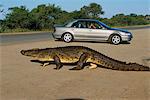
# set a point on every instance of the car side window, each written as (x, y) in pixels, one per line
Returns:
(79, 24)
(94, 25)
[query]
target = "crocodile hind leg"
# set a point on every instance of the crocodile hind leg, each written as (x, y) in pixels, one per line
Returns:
(83, 58)
(92, 66)
(57, 62)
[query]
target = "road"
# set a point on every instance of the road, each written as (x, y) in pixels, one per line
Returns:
(40, 36)
(25, 37)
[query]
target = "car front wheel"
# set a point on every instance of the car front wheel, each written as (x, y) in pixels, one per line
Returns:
(115, 39)
(67, 37)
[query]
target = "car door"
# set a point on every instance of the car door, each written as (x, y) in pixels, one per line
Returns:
(80, 30)
(97, 32)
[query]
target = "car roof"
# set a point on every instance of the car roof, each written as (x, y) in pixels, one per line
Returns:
(86, 20)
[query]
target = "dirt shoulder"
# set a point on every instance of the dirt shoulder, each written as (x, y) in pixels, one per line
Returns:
(25, 80)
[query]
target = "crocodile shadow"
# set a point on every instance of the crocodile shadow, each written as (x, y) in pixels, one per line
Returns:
(53, 63)
(71, 99)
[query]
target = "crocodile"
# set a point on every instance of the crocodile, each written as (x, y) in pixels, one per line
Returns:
(80, 55)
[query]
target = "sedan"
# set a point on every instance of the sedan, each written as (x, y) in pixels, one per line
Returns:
(90, 30)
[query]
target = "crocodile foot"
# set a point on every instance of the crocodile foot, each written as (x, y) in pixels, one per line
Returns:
(92, 66)
(45, 64)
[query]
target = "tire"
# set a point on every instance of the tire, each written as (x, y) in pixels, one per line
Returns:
(115, 39)
(67, 37)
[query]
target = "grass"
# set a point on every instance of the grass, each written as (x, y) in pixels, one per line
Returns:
(24, 31)
(131, 26)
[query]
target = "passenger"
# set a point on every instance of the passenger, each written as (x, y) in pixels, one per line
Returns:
(92, 26)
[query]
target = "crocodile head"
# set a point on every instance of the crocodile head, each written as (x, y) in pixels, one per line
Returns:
(31, 52)
(39, 54)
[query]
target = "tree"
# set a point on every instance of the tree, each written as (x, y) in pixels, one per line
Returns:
(44, 16)
(127, 20)
(93, 10)
(133, 15)
(17, 18)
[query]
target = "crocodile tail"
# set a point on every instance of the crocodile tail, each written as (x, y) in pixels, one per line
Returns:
(137, 67)
(110, 63)
(131, 67)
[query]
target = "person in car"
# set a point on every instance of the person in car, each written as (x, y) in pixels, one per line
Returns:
(92, 26)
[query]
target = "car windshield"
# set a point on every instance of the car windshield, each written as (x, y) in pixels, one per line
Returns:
(104, 25)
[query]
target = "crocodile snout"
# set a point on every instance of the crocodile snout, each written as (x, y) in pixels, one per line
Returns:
(22, 52)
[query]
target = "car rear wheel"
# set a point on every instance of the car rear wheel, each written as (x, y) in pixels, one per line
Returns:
(67, 37)
(115, 39)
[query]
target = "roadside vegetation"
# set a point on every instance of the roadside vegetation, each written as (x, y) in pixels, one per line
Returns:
(43, 17)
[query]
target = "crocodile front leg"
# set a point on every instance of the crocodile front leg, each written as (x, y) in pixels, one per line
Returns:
(45, 64)
(57, 62)
(83, 58)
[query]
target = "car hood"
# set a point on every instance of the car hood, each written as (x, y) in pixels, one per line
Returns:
(118, 29)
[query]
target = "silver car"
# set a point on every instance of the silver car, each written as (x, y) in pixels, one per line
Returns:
(90, 30)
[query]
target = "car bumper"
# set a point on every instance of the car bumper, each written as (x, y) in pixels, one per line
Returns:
(56, 36)
(127, 37)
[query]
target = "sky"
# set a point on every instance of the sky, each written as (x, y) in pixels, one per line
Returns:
(110, 7)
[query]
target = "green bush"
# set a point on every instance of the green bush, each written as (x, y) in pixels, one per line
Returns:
(43, 17)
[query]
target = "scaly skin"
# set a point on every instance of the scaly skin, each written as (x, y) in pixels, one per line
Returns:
(81, 55)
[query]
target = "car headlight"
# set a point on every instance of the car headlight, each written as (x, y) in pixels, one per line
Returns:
(124, 33)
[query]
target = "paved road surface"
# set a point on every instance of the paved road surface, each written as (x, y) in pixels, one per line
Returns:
(40, 36)
(25, 37)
